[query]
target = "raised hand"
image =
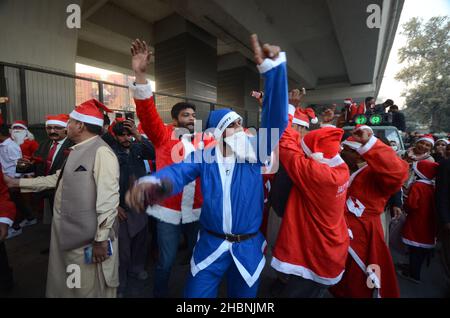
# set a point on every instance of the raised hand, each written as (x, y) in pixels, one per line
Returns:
(140, 60)
(266, 51)
(295, 97)
(362, 135)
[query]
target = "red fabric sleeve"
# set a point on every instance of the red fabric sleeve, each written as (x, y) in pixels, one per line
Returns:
(7, 207)
(152, 123)
(392, 171)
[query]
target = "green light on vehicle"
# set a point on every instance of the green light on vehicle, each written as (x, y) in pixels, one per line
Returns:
(375, 120)
(361, 120)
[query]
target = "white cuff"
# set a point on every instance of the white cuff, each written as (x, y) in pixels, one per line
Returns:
(7, 221)
(327, 125)
(291, 110)
(362, 150)
(141, 91)
(269, 64)
(149, 179)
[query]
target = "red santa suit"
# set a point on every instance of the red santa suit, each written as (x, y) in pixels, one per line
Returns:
(313, 239)
(369, 270)
(170, 148)
(420, 227)
(354, 109)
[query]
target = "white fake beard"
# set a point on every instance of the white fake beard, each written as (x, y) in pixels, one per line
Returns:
(241, 146)
(19, 136)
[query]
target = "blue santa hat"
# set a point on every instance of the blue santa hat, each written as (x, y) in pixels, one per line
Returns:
(220, 120)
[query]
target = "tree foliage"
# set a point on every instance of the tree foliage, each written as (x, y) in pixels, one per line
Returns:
(427, 71)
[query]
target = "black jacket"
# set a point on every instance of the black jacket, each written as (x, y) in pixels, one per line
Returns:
(42, 153)
(398, 120)
(443, 191)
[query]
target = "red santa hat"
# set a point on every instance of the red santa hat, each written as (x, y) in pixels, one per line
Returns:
(20, 123)
(301, 118)
(323, 145)
(90, 112)
(363, 127)
(58, 120)
(348, 101)
(426, 169)
(429, 138)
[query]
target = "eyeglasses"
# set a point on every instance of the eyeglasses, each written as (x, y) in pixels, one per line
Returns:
(57, 128)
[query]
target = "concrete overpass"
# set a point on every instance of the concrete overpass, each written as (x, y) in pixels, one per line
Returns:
(201, 46)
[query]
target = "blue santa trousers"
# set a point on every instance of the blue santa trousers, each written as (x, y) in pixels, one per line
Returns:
(206, 283)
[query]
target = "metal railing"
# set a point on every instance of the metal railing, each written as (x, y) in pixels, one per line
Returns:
(35, 92)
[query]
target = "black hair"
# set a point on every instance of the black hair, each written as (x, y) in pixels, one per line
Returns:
(119, 129)
(394, 107)
(94, 129)
(368, 99)
(389, 102)
(178, 108)
(4, 130)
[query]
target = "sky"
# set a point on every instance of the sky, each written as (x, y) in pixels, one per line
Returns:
(390, 88)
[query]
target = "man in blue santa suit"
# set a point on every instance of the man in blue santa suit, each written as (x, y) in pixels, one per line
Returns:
(229, 243)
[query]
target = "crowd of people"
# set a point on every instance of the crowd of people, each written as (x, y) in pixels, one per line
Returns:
(298, 189)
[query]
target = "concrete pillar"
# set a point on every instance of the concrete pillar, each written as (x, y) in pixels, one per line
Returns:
(35, 33)
(185, 64)
(237, 77)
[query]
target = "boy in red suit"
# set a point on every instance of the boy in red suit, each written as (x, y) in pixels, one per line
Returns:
(419, 231)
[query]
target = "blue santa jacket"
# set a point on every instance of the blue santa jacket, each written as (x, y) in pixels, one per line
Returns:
(246, 187)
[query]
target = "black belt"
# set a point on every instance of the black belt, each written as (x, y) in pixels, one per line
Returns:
(234, 238)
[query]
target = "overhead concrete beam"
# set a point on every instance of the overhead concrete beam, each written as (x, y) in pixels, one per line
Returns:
(233, 21)
(120, 21)
(90, 7)
(338, 94)
(358, 43)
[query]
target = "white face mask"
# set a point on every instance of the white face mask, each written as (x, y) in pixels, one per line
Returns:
(241, 146)
(19, 136)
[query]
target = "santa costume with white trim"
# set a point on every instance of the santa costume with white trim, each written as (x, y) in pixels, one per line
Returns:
(370, 188)
(233, 196)
(313, 238)
(421, 225)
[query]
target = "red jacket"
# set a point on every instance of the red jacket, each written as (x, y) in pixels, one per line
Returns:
(421, 225)
(313, 238)
(370, 188)
(7, 207)
(186, 206)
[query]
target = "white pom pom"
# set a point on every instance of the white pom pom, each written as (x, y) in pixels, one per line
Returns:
(314, 120)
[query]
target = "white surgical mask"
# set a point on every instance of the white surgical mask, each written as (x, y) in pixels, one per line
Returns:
(241, 146)
(19, 136)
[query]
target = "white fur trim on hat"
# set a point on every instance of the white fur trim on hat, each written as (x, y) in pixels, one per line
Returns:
(300, 122)
(364, 127)
(56, 122)
(318, 156)
(224, 123)
(444, 140)
(430, 140)
(86, 119)
(19, 125)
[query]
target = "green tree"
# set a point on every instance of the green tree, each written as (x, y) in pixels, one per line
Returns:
(427, 71)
